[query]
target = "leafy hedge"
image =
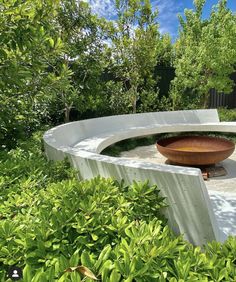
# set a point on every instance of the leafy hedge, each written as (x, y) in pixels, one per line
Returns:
(227, 114)
(60, 229)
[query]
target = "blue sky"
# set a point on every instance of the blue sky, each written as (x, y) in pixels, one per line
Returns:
(168, 11)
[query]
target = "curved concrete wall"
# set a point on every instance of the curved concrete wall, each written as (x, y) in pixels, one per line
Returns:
(190, 211)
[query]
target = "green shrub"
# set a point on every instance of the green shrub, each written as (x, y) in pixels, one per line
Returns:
(60, 229)
(227, 114)
(129, 144)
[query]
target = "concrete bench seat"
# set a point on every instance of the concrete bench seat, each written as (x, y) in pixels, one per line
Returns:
(98, 143)
(190, 209)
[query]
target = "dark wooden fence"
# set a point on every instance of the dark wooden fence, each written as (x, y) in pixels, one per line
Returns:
(218, 100)
(164, 75)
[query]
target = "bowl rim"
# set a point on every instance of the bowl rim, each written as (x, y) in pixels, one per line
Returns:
(179, 137)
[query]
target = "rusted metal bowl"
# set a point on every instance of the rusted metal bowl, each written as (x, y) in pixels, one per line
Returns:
(195, 150)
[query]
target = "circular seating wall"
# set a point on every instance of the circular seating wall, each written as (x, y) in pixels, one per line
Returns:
(189, 209)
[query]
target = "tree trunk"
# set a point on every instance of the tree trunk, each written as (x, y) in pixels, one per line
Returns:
(206, 101)
(134, 104)
(135, 95)
(67, 114)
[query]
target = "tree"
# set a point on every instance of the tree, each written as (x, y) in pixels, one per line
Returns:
(50, 62)
(205, 55)
(84, 58)
(134, 48)
(165, 55)
(29, 46)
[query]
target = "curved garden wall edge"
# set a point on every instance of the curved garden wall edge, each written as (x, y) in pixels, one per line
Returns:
(189, 208)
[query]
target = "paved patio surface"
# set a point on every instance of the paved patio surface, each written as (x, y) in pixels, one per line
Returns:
(222, 190)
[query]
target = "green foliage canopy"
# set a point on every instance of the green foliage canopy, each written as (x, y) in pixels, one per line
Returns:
(205, 55)
(28, 47)
(84, 58)
(59, 62)
(134, 49)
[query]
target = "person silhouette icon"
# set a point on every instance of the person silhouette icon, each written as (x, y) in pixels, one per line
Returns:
(15, 273)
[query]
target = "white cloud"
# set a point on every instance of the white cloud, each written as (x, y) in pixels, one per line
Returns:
(103, 8)
(167, 18)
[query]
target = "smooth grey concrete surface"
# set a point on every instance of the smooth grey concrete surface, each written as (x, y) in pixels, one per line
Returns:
(222, 190)
(224, 206)
(190, 211)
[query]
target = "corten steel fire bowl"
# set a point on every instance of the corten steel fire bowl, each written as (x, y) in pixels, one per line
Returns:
(195, 150)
